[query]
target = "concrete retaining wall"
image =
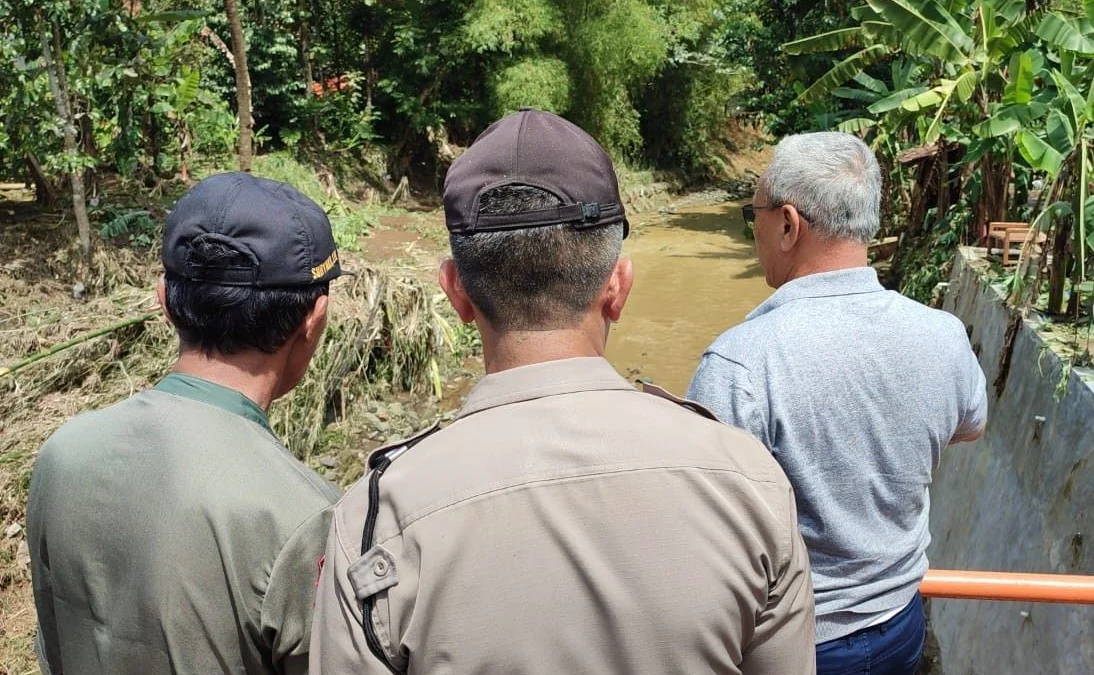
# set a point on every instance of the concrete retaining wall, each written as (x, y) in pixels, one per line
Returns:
(1019, 500)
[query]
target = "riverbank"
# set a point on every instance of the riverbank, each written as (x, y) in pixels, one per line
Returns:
(1018, 499)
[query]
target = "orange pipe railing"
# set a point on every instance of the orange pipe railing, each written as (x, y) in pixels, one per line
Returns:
(1065, 588)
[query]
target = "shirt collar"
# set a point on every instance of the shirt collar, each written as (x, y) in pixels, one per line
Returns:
(822, 285)
(566, 376)
(211, 393)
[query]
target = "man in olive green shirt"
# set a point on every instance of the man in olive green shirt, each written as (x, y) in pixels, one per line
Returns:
(173, 532)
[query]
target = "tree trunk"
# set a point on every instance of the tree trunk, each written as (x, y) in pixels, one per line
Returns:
(992, 207)
(43, 188)
(886, 196)
(942, 170)
(58, 83)
(924, 192)
(44, 192)
(243, 85)
(1057, 274)
(215, 40)
(305, 58)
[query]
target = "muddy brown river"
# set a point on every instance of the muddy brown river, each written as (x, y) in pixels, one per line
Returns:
(695, 276)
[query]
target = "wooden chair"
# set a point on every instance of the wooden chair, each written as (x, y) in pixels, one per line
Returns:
(1011, 233)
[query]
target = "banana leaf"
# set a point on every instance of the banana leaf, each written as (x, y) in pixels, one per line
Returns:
(1020, 87)
(1067, 33)
(832, 41)
(1039, 154)
(842, 72)
(895, 100)
(922, 36)
(856, 124)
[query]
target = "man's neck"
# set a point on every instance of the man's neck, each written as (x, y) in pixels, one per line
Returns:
(250, 374)
(513, 349)
(832, 258)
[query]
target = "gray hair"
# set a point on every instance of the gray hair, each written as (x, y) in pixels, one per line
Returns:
(538, 278)
(832, 178)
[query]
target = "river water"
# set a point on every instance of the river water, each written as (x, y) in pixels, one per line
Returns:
(695, 276)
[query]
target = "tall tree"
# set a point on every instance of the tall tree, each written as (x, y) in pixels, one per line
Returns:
(243, 85)
(50, 33)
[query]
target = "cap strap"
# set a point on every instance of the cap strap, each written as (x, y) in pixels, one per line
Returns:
(223, 276)
(581, 215)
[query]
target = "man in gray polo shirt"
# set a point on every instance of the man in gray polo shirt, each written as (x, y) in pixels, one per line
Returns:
(855, 390)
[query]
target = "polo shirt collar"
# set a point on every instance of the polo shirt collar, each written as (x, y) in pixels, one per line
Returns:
(211, 393)
(552, 378)
(853, 281)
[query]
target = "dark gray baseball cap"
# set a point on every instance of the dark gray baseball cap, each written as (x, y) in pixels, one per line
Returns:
(542, 150)
(285, 235)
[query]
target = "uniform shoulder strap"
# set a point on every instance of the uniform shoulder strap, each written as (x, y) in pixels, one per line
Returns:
(376, 571)
(396, 448)
(660, 392)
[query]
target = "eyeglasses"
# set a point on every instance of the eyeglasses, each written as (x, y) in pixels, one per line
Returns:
(749, 211)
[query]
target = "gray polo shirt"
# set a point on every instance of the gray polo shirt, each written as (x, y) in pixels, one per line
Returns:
(856, 391)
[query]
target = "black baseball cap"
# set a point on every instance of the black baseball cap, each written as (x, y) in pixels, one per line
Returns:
(538, 149)
(286, 236)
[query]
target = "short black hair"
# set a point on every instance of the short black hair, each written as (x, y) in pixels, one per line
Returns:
(537, 278)
(234, 319)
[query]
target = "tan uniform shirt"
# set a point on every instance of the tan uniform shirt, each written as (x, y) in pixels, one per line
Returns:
(567, 523)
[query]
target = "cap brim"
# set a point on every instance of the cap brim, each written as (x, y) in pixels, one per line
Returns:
(341, 272)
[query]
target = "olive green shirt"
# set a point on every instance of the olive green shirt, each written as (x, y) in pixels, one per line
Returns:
(173, 533)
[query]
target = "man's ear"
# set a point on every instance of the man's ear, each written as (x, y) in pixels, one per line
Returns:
(161, 295)
(449, 279)
(793, 228)
(316, 320)
(618, 289)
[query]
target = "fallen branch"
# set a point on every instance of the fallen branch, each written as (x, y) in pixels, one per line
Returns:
(913, 155)
(402, 191)
(215, 40)
(79, 339)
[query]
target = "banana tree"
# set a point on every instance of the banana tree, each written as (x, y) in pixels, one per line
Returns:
(175, 101)
(966, 49)
(884, 124)
(1060, 146)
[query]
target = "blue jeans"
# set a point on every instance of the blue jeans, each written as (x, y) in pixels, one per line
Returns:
(891, 648)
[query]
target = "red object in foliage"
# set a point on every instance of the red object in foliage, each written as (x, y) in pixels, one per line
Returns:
(333, 84)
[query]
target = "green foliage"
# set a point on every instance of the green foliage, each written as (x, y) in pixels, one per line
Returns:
(1009, 89)
(338, 121)
(841, 72)
(349, 222)
(542, 83)
(842, 38)
(152, 84)
(509, 25)
(1067, 33)
(929, 264)
(135, 228)
(777, 73)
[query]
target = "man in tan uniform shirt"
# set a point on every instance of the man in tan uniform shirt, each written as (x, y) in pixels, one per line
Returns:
(564, 522)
